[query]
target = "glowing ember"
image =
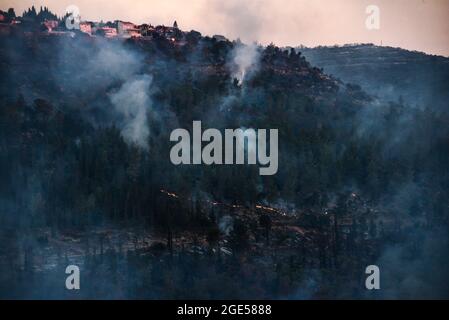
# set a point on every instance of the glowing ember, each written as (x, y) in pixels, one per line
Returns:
(173, 195)
(235, 206)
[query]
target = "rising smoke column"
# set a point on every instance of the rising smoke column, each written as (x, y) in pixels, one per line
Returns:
(132, 102)
(245, 60)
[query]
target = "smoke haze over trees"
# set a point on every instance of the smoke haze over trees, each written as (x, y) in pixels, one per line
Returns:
(85, 174)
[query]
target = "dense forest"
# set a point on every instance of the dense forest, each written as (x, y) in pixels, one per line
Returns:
(86, 178)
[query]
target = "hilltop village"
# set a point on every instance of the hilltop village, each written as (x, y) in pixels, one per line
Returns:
(45, 22)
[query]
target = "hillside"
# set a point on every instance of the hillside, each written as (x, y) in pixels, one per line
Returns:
(389, 73)
(86, 177)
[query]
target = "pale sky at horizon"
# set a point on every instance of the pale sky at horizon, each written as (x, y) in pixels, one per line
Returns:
(421, 25)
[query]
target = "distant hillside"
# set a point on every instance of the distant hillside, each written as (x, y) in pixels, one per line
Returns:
(387, 72)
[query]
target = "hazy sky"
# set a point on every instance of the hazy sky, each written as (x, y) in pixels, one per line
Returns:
(413, 24)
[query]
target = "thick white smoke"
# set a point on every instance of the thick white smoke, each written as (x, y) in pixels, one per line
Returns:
(245, 60)
(132, 102)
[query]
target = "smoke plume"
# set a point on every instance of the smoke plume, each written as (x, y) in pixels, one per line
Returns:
(245, 61)
(131, 103)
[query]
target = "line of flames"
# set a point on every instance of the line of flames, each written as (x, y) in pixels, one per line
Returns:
(214, 203)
